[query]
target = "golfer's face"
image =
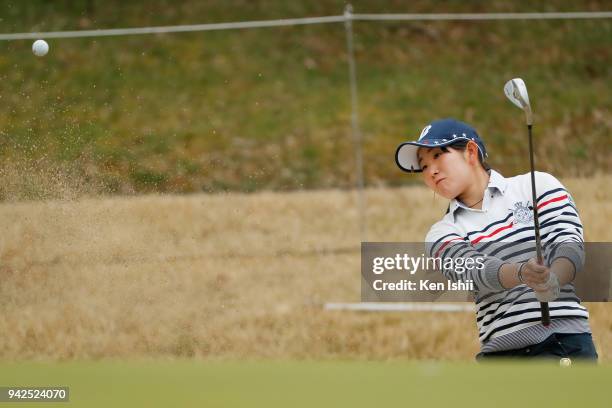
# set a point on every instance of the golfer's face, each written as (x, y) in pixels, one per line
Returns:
(447, 173)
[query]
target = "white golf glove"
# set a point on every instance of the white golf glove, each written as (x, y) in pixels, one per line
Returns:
(552, 289)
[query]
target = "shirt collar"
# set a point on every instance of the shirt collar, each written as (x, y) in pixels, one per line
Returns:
(496, 182)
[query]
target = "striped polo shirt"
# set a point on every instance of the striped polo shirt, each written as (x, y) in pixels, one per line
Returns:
(502, 231)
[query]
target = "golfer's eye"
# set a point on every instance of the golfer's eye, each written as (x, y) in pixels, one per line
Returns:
(423, 167)
(435, 156)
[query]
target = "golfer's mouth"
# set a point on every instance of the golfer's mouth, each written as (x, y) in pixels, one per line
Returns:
(438, 182)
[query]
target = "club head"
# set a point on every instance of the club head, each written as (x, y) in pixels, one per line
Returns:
(516, 90)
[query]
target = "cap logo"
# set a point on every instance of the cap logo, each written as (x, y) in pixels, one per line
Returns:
(424, 131)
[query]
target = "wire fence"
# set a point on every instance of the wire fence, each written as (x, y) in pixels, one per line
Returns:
(348, 15)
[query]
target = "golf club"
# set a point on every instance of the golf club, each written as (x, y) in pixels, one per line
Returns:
(516, 90)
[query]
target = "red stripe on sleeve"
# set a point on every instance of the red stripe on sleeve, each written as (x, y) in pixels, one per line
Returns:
(445, 244)
(552, 200)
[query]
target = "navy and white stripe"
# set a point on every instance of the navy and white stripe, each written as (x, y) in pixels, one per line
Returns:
(503, 232)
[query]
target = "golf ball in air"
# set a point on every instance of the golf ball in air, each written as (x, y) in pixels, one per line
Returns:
(565, 362)
(40, 48)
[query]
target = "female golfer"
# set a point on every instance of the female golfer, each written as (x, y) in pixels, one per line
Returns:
(490, 219)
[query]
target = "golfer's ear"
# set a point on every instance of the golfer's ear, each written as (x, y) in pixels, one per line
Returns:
(472, 150)
(470, 154)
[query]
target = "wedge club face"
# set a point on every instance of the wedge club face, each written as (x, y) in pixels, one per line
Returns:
(516, 90)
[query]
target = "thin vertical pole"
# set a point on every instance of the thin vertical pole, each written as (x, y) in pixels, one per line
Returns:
(356, 131)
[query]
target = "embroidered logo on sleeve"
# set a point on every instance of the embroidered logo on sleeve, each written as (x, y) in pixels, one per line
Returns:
(522, 213)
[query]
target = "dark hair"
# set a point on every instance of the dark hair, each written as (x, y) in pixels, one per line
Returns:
(462, 145)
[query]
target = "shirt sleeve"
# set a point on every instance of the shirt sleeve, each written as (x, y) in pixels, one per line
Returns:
(561, 229)
(444, 242)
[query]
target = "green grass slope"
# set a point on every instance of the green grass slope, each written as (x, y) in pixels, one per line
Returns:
(269, 108)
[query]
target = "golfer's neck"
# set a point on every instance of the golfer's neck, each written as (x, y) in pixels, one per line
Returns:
(475, 191)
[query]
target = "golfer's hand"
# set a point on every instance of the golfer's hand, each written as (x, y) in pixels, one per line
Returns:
(552, 292)
(535, 275)
(542, 280)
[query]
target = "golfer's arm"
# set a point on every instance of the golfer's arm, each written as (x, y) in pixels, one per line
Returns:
(564, 269)
(508, 275)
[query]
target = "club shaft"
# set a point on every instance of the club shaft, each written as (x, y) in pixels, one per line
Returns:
(536, 223)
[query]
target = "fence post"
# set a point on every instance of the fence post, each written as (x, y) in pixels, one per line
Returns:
(355, 130)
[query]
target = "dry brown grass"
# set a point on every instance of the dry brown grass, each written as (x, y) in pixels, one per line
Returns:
(227, 276)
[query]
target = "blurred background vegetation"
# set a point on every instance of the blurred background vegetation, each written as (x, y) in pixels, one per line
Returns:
(269, 108)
